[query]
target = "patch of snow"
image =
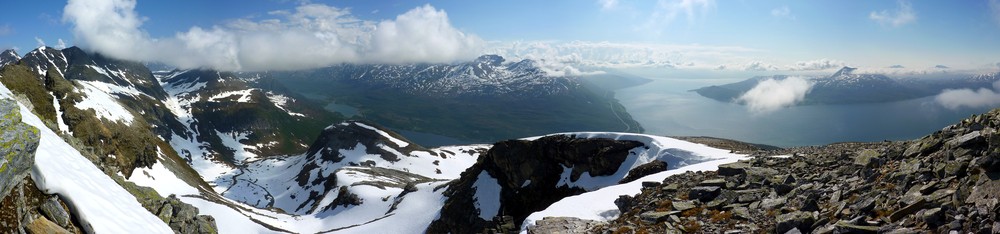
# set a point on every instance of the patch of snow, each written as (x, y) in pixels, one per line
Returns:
(281, 101)
(244, 95)
(398, 142)
(232, 141)
(59, 117)
(98, 98)
(487, 198)
(101, 204)
(782, 156)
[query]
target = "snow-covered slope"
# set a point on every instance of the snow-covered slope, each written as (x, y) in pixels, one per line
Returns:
(103, 206)
(382, 184)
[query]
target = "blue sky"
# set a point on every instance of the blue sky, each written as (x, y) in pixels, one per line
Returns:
(706, 34)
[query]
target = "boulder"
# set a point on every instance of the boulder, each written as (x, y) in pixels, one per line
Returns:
(41, 225)
(704, 193)
(649, 168)
(731, 169)
(798, 219)
(54, 211)
(18, 142)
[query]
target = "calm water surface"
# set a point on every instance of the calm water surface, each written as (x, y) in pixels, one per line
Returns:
(665, 106)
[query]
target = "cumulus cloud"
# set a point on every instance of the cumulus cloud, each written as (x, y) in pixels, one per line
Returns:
(819, 64)
(958, 98)
(582, 55)
(782, 12)
(760, 66)
(39, 41)
(309, 36)
(904, 14)
(897, 66)
(771, 95)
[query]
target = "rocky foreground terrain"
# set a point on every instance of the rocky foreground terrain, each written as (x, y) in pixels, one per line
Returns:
(946, 182)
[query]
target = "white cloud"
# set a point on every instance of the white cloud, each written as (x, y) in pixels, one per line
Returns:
(782, 12)
(60, 44)
(819, 64)
(608, 4)
(771, 95)
(958, 98)
(898, 17)
(995, 10)
(587, 55)
(759, 66)
(39, 41)
(311, 35)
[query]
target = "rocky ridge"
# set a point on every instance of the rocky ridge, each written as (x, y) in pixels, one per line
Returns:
(946, 181)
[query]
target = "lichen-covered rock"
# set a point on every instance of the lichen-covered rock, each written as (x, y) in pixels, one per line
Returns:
(18, 142)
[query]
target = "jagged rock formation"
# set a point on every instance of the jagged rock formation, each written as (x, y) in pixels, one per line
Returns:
(946, 181)
(529, 175)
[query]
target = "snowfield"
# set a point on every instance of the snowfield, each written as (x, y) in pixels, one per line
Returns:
(101, 204)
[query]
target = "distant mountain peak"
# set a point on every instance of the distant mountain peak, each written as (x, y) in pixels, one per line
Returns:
(844, 71)
(491, 59)
(8, 57)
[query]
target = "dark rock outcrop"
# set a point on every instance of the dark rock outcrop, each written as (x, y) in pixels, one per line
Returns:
(529, 174)
(944, 182)
(17, 146)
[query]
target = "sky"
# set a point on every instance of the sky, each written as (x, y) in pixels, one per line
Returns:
(566, 36)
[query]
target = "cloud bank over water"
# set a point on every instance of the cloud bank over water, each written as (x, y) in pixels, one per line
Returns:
(958, 98)
(771, 95)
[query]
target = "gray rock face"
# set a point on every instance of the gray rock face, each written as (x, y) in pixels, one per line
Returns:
(18, 142)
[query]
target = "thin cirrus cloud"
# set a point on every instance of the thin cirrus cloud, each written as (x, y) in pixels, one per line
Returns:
(320, 35)
(994, 6)
(771, 95)
(900, 16)
(783, 13)
(665, 12)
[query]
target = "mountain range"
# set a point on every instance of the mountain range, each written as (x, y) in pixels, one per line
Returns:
(847, 87)
(99, 145)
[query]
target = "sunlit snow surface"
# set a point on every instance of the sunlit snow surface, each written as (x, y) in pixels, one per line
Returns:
(101, 204)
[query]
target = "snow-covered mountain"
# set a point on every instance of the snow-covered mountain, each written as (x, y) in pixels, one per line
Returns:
(237, 147)
(487, 76)
(8, 57)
